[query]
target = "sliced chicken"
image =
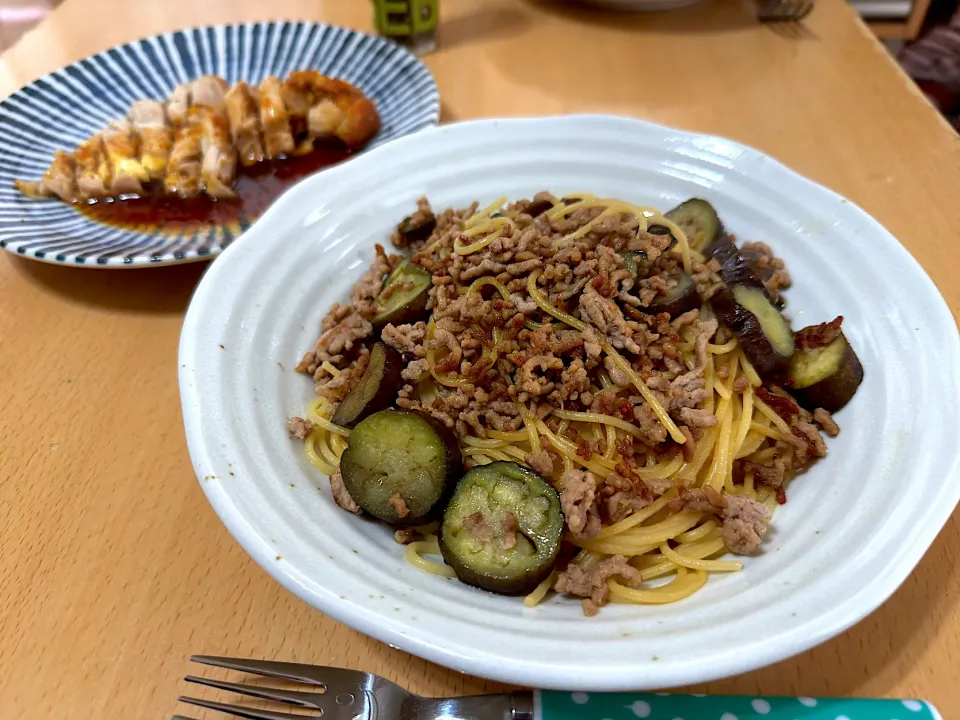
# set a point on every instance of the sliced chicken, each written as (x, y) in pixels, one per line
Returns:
(93, 169)
(156, 136)
(120, 142)
(332, 108)
(324, 119)
(59, 181)
(242, 111)
(191, 142)
(209, 90)
(184, 168)
(219, 166)
(178, 104)
(274, 120)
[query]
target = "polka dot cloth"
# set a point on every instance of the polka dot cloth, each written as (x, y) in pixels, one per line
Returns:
(660, 706)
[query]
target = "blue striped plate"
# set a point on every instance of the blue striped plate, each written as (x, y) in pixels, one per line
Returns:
(65, 107)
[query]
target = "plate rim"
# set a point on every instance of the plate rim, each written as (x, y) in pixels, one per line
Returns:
(432, 114)
(527, 672)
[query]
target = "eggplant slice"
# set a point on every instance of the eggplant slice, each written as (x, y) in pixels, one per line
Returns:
(400, 466)
(377, 388)
(761, 330)
(746, 307)
(825, 376)
(403, 298)
(680, 299)
(417, 227)
(502, 529)
(698, 220)
(538, 207)
(636, 262)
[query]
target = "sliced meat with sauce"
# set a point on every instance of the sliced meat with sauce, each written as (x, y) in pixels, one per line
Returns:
(156, 136)
(244, 116)
(186, 157)
(274, 120)
(93, 169)
(122, 148)
(219, 165)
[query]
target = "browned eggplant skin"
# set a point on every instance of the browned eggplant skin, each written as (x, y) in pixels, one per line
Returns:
(414, 309)
(413, 230)
(376, 390)
(744, 324)
(835, 391)
(734, 270)
(683, 298)
(409, 313)
(538, 207)
(452, 446)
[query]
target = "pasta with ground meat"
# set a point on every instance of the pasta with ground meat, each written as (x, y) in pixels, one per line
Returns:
(538, 346)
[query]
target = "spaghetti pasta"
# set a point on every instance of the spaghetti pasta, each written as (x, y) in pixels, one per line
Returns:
(652, 429)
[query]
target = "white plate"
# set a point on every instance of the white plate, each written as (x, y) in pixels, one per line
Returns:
(855, 525)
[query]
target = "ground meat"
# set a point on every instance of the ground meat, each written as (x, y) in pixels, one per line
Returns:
(407, 339)
(606, 316)
(579, 503)
(658, 486)
(341, 496)
(772, 473)
(336, 387)
(705, 331)
(446, 339)
(697, 417)
(529, 380)
(743, 521)
(476, 525)
(818, 335)
(405, 536)
(509, 532)
(651, 429)
(299, 428)
(687, 390)
(770, 268)
(347, 330)
(621, 504)
(825, 420)
(744, 524)
(591, 581)
(415, 371)
(541, 462)
(741, 384)
(400, 505)
(815, 444)
(422, 214)
(524, 305)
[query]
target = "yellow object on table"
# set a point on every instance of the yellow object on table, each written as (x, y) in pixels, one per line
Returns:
(114, 568)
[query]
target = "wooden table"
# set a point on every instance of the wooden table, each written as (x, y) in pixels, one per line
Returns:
(114, 569)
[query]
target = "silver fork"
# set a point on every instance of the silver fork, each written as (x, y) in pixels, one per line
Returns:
(342, 694)
(773, 11)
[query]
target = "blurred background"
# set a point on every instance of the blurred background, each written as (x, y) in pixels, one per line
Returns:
(924, 36)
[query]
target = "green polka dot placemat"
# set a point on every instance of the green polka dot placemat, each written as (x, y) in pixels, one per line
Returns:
(629, 706)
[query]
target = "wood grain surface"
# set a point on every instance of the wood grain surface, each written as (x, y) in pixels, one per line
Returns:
(114, 569)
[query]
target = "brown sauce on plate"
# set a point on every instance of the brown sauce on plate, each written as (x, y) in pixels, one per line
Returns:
(256, 188)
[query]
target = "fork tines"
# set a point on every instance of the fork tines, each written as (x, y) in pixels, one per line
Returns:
(321, 680)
